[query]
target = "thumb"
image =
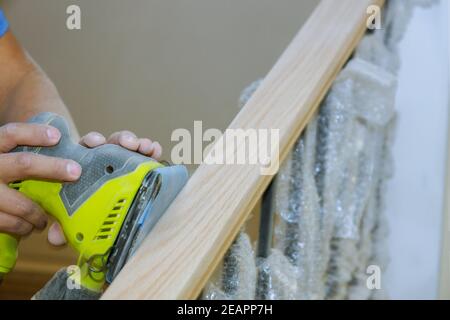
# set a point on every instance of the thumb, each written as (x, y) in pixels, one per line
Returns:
(56, 235)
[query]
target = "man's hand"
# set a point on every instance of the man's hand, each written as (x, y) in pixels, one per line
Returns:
(18, 214)
(125, 139)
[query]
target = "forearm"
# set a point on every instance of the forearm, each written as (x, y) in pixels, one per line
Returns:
(25, 90)
(33, 94)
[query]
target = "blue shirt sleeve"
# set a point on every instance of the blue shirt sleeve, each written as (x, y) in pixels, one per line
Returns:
(3, 24)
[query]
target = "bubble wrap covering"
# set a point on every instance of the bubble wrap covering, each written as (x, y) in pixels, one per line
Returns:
(329, 192)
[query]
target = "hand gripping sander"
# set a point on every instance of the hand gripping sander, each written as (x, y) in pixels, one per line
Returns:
(108, 212)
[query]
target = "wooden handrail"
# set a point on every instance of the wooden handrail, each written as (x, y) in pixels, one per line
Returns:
(187, 244)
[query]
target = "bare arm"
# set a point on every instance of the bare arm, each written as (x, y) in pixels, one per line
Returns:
(25, 89)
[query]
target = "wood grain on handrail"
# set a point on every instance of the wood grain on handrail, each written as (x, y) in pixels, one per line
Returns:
(187, 244)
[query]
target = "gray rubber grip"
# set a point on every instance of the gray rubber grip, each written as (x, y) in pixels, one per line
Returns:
(99, 164)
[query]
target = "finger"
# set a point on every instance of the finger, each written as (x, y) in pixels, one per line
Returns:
(145, 146)
(55, 235)
(92, 140)
(27, 134)
(14, 225)
(125, 139)
(25, 165)
(157, 151)
(16, 204)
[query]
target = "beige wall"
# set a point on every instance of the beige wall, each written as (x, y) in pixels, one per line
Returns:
(156, 65)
